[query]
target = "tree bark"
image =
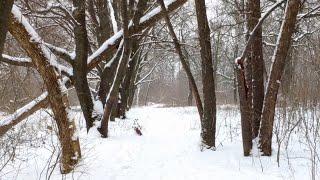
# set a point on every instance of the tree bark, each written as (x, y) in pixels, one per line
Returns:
(208, 123)
(257, 64)
(278, 59)
(190, 95)
(57, 99)
(5, 9)
(135, 77)
(245, 107)
(80, 66)
(140, 9)
(107, 76)
(245, 111)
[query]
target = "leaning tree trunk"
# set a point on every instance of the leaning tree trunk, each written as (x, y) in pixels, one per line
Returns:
(135, 55)
(257, 65)
(189, 100)
(278, 59)
(208, 123)
(183, 60)
(100, 11)
(42, 59)
(80, 66)
(121, 70)
(107, 76)
(5, 9)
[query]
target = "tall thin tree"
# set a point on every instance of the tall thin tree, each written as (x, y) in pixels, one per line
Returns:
(80, 65)
(183, 60)
(277, 68)
(208, 123)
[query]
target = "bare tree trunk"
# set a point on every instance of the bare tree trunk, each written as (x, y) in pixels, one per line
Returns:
(135, 77)
(136, 15)
(117, 12)
(279, 57)
(244, 77)
(121, 70)
(208, 123)
(58, 100)
(257, 65)
(5, 9)
(245, 111)
(107, 76)
(80, 66)
(183, 61)
(105, 30)
(99, 11)
(126, 84)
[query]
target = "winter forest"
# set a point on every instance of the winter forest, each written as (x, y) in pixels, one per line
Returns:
(160, 89)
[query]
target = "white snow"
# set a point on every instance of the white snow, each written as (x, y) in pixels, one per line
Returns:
(17, 59)
(97, 106)
(113, 18)
(111, 41)
(119, 34)
(8, 119)
(72, 55)
(114, 56)
(168, 149)
(155, 11)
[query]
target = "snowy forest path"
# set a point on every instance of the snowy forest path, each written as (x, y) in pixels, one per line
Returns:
(169, 149)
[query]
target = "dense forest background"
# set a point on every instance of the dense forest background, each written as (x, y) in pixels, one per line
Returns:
(104, 56)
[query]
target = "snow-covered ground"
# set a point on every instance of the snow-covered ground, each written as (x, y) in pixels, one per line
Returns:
(169, 150)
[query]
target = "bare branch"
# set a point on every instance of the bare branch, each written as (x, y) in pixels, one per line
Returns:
(10, 121)
(16, 61)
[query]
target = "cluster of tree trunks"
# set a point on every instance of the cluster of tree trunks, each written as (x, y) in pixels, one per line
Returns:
(118, 61)
(255, 105)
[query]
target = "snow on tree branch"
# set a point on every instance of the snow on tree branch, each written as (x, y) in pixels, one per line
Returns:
(146, 21)
(9, 121)
(16, 61)
(252, 36)
(35, 38)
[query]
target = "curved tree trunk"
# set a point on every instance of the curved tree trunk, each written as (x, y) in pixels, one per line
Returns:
(41, 58)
